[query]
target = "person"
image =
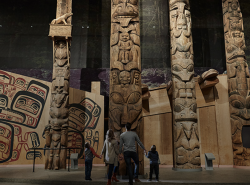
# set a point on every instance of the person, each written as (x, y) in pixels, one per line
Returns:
(154, 163)
(89, 155)
(127, 141)
(110, 148)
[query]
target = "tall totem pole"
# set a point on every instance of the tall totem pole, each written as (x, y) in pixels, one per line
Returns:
(56, 132)
(238, 78)
(125, 104)
(186, 134)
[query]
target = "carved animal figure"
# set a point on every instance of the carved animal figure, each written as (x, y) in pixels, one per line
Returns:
(186, 136)
(62, 19)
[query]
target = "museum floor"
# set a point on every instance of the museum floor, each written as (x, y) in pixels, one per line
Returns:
(25, 176)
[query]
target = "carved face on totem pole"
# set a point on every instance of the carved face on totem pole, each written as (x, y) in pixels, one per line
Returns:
(125, 11)
(186, 135)
(125, 102)
(238, 78)
(125, 87)
(180, 27)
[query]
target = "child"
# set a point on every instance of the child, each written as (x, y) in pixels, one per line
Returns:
(89, 152)
(154, 162)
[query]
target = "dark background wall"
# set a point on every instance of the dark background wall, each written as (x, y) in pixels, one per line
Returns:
(26, 49)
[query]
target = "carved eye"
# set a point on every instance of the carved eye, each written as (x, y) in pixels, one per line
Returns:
(190, 68)
(134, 98)
(178, 108)
(188, 15)
(177, 68)
(193, 107)
(174, 16)
(237, 104)
(117, 98)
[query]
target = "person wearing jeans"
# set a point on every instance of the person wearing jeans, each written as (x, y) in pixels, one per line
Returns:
(110, 149)
(89, 154)
(88, 169)
(154, 163)
(127, 141)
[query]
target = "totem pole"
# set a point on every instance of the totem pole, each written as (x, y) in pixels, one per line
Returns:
(56, 132)
(238, 78)
(185, 126)
(125, 105)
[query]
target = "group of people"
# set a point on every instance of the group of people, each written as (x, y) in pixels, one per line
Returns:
(113, 151)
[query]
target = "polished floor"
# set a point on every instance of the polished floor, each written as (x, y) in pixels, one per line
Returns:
(25, 176)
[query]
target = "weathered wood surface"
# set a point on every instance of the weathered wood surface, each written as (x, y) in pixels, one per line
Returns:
(223, 121)
(96, 87)
(56, 132)
(238, 78)
(208, 79)
(161, 136)
(208, 133)
(204, 97)
(125, 105)
(158, 103)
(186, 136)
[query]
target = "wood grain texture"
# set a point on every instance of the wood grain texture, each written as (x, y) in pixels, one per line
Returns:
(125, 102)
(223, 121)
(57, 128)
(186, 136)
(238, 78)
(204, 97)
(96, 87)
(158, 103)
(161, 136)
(208, 133)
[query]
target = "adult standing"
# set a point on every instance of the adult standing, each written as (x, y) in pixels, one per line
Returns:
(110, 148)
(127, 141)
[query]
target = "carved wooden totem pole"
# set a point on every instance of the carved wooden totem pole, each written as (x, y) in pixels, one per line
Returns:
(56, 132)
(186, 135)
(125, 105)
(238, 78)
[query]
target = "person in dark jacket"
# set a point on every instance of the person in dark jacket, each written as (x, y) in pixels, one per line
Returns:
(154, 162)
(89, 155)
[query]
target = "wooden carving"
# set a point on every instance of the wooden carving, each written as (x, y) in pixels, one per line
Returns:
(125, 105)
(186, 135)
(56, 132)
(238, 78)
(208, 79)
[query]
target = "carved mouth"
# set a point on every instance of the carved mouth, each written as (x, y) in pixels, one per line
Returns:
(236, 55)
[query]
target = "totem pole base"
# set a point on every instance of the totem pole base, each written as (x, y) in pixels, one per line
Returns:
(187, 170)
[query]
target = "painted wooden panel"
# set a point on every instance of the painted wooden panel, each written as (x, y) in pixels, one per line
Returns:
(24, 105)
(86, 121)
(24, 112)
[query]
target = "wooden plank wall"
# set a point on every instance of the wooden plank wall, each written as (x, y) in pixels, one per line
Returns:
(158, 125)
(22, 118)
(214, 123)
(223, 120)
(23, 99)
(94, 125)
(213, 120)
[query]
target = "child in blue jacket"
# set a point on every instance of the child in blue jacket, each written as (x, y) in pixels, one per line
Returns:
(154, 162)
